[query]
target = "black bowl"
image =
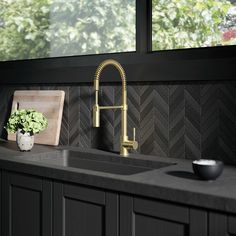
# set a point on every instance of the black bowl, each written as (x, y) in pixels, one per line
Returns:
(207, 169)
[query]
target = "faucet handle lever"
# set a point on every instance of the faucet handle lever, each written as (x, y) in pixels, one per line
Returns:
(134, 142)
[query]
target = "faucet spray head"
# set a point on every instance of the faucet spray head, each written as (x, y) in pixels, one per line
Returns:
(96, 108)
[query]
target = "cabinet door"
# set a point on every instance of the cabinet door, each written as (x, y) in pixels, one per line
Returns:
(83, 211)
(221, 224)
(142, 217)
(26, 205)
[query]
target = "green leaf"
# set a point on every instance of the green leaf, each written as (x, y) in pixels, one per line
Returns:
(28, 120)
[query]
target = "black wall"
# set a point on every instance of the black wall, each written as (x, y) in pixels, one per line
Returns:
(172, 119)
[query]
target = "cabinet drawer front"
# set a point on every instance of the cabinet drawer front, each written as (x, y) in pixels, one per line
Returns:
(162, 210)
(146, 225)
(26, 181)
(85, 194)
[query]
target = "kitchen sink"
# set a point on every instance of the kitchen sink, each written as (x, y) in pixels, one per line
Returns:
(98, 162)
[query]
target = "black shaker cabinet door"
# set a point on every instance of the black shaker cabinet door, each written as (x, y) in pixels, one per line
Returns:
(142, 217)
(27, 205)
(83, 211)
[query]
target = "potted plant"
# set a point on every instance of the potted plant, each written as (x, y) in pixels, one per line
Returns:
(26, 123)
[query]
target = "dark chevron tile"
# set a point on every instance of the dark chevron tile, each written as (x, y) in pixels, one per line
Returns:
(209, 120)
(147, 127)
(134, 102)
(192, 105)
(161, 120)
(192, 122)
(117, 117)
(74, 115)
(176, 121)
(86, 139)
(179, 120)
(106, 129)
(134, 105)
(227, 126)
(192, 141)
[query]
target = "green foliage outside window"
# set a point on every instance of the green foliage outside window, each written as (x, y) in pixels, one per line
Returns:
(188, 23)
(23, 26)
(50, 28)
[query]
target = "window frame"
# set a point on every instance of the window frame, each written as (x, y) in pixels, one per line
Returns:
(144, 65)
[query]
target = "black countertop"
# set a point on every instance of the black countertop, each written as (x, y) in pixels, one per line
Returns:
(175, 183)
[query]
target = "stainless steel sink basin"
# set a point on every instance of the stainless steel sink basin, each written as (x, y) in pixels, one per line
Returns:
(98, 162)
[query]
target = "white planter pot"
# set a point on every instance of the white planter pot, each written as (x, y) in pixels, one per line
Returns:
(25, 141)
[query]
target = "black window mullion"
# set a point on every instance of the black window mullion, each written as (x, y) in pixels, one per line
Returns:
(143, 26)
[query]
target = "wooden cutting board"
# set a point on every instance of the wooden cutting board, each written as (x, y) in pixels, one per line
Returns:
(50, 103)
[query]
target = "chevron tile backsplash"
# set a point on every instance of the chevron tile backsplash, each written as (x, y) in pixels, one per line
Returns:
(179, 120)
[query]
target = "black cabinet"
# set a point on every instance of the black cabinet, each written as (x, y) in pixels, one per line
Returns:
(221, 224)
(32, 206)
(26, 205)
(83, 211)
(142, 217)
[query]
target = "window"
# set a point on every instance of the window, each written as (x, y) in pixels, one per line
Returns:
(180, 24)
(45, 29)
(55, 28)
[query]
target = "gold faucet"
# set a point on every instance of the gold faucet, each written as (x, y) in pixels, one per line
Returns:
(125, 143)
